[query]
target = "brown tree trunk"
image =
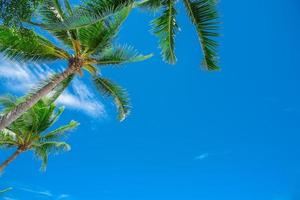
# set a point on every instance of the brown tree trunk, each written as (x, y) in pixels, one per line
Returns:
(10, 159)
(11, 116)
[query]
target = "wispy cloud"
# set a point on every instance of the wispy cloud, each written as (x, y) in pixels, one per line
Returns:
(21, 78)
(42, 193)
(202, 156)
(46, 193)
(63, 196)
(9, 198)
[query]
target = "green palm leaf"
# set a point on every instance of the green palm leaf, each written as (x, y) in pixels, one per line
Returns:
(98, 36)
(91, 12)
(204, 16)
(55, 134)
(25, 45)
(51, 11)
(42, 150)
(120, 96)
(152, 5)
(120, 55)
(5, 190)
(165, 28)
(60, 89)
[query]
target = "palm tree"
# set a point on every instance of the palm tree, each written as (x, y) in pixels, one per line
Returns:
(88, 47)
(202, 13)
(30, 131)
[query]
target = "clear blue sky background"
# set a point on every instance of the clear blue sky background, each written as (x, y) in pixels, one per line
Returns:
(192, 135)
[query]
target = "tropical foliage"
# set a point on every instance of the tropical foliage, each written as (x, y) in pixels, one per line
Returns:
(5, 190)
(14, 11)
(204, 16)
(89, 45)
(30, 132)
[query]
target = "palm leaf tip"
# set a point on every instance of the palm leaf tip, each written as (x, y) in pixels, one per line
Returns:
(204, 15)
(119, 95)
(91, 12)
(152, 5)
(165, 28)
(121, 55)
(25, 45)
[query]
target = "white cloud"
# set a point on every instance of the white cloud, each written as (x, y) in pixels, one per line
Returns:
(202, 156)
(21, 78)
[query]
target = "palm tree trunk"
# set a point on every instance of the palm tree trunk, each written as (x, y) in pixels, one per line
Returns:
(10, 159)
(11, 116)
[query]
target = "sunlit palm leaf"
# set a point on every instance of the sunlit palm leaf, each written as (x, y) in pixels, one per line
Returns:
(98, 36)
(51, 12)
(152, 5)
(53, 135)
(25, 45)
(165, 28)
(120, 96)
(91, 69)
(120, 55)
(204, 16)
(60, 89)
(91, 12)
(42, 150)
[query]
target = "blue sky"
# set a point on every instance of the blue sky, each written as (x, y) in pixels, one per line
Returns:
(192, 135)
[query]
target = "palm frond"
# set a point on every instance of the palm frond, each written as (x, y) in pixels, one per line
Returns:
(152, 5)
(5, 190)
(25, 45)
(42, 150)
(68, 7)
(55, 134)
(204, 16)
(51, 11)
(91, 69)
(8, 102)
(120, 96)
(91, 12)
(165, 28)
(120, 55)
(7, 138)
(99, 36)
(58, 90)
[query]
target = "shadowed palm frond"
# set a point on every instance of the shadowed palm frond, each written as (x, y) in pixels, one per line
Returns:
(165, 28)
(204, 16)
(68, 7)
(152, 5)
(120, 96)
(120, 55)
(91, 12)
(25, 45)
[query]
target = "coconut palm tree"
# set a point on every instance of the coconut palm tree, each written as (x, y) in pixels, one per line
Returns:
(88, 47)
(30, 131)
(202, 13)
